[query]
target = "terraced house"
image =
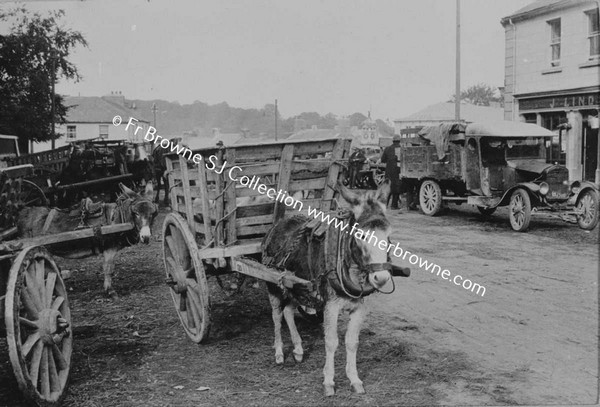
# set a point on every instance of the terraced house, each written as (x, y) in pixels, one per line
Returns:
(552, 78)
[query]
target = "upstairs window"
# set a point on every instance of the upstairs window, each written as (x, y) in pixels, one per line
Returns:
(71, 132)
(104, 131)
(594, 34)
(554, 42)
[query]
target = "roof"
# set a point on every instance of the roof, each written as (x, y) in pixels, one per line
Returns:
(228, 139)
(505, 128)
(445, 112)
(315, 134)
(95, 109)
(541, 7)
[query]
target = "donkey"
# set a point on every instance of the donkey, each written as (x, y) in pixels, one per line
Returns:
(343, 268)
(130, 207)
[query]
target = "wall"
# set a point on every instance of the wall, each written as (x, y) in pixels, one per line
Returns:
(86, 131)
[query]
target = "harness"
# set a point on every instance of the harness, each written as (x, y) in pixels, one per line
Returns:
(344, 271)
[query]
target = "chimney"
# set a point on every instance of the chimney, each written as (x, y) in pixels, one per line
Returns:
(216, 132)
(245, 133)
(116, 98)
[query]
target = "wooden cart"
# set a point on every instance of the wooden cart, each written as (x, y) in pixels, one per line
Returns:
(217, 224)
(34, 307)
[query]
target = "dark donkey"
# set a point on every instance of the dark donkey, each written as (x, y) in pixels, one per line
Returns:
(343, 268)
(130, 207)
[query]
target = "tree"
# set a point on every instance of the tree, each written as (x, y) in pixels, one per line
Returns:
(33, 55)
(480, 95)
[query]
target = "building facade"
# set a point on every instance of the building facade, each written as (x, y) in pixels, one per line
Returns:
(91, 117)
(552, 78)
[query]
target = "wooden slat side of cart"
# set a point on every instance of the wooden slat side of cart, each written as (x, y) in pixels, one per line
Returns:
(218, 223)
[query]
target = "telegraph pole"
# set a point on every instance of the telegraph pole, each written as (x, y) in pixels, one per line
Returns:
(154, 109)
(53, 97)
(457, 94)
(275, 119)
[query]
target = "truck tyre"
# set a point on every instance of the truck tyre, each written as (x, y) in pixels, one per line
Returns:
(430, 198)
(587, 205)
(519, 210)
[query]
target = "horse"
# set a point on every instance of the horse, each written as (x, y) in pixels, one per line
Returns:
(130, 206)
(342, 267)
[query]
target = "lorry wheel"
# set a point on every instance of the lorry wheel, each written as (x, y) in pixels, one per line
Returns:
(587, 205)
(430, 198)
(519, 210)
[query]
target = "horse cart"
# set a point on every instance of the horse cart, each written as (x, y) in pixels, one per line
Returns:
(223, 208)
(34, 307)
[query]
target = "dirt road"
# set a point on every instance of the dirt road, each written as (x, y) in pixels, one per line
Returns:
(531, 339)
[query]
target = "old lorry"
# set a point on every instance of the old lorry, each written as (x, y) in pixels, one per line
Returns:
(496, 164)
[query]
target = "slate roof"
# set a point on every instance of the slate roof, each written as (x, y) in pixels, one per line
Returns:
(540, 7)
(95, 109)
(445, 112)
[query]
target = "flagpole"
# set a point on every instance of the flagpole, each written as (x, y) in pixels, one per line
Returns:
(457, 92)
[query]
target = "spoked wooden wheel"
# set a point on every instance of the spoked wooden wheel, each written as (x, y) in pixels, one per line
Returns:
(32, 195)
(430, 198)
(38, 321)
(587, 204)
(519, 210)
(186, 277)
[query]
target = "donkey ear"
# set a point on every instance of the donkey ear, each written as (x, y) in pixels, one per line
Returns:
(351, 197)
(127, 191)
(383, 192)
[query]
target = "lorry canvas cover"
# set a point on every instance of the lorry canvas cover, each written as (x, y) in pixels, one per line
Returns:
(507, 128)
(441, 134)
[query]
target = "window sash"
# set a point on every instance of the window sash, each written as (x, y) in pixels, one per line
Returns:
(71, 132)
(594, 39)
(103, 130)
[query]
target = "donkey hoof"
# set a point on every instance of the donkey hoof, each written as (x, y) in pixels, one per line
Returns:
(111, 294)
(279, 359)
(358, 388)
(298, 357)
(329, 390)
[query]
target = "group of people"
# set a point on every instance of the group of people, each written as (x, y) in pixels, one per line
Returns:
(391, 158)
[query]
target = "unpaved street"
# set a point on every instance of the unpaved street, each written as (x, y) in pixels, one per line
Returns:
(532, 339)
(533, 334)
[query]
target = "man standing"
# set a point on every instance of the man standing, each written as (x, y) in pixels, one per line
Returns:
(356, 161)
(390, 158)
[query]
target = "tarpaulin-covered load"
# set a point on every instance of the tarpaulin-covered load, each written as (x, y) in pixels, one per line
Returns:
(441, 134)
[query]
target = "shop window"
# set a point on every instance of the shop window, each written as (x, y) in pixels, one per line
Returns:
(555, 32)
(555, 122)
(594, 33)
(71, 132)
(530, 118)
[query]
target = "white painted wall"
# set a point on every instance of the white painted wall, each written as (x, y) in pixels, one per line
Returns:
(86, 131)
(533, 52)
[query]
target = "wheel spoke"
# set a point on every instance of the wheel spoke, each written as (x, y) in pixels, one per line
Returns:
(58, 301)
(31, 306)
(28, 323)
(49, 289)
(195, 305)
(39, 276)
(53, 374)
(44, 374)
(34, 366)
(61, 362)
(30, 342)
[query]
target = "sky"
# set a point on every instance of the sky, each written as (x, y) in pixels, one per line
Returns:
(390, 57)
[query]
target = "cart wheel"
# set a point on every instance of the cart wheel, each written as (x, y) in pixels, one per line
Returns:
(486, 211)
(32, 195)
(186, 277)
(587, 205)
(38, 321)
(519, 210)
(430, 197)
(378, 178)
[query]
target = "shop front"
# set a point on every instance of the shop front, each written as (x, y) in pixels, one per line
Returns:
(573, 117)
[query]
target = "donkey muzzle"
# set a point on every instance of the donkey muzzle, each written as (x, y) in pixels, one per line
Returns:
(145, 234)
